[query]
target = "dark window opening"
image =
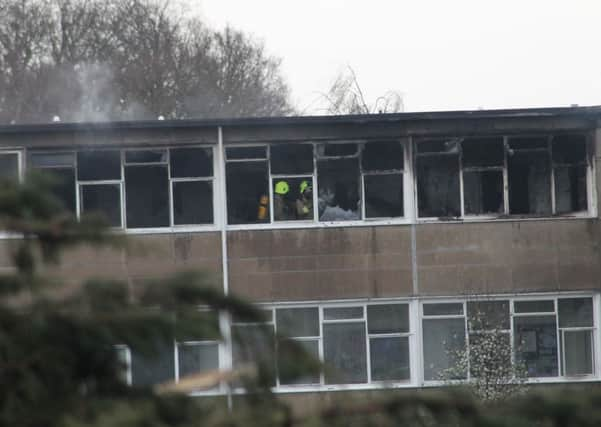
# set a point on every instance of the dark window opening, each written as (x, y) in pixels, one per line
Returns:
(570, 189)
(337, 150)
(446, 146)
(98, 165)
(482, 152)
(383, 195)
(146, 156)
(438, 186)
(382, 156)
(147, 196)
(291, 159)
(63, 186)
(528, 143)
(104, 199)
(247, 192)
(483, 192)
(338, 182)
(292, 199)
(192, 202)
(529, 183)
(257, 152)
(569, 149)
(191, 162)
(51, 160)
(9, 166)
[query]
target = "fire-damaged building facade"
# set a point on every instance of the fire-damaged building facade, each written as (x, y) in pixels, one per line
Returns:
(369, 239)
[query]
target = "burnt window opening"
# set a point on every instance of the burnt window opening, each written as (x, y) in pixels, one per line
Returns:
(191, 162)
(339, 191)
(438, 193)
(529, 176)
(247, 189)
(98, 165)
(291, 159)
(104, 199)
(246, 153)
(383, 195)
(9, 166)
(147, 196)
(192, 202)
(337, 149)
(382, 156)
(60, 167)
(146, 156)
(483, 161)
(570, 173)
(292, 198)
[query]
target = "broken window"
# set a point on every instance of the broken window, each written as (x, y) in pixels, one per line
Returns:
(438, 178)
(191, 171)
(338, 183)
(99, 182)
(382, 166)
(570, 173)
(247, 192)
(529, 176)
(60, 166)
(10, 165)
(147, 189)
(483, 162)
(292, 181)
(443, 328)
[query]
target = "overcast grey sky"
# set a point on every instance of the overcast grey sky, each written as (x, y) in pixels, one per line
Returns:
(441, 55)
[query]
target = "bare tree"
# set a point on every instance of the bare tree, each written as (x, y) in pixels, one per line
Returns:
(345, 96)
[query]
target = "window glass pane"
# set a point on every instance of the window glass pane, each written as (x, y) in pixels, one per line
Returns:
(441, 309)
(291, 158)
(387, 318)
(298, 322)
(102, 198)
(292, 199)
(63, 187)
(570, 189)
(536, 345)
(191, 162)
(528, 142)
(334, 150)
(98, 165)
(569, 149)
(448, 146)
(45, 160)
(345, 354)
(193, 202)
(438, 186)
(146, 156)
(389, 358)
(195, 358)
(578, 352)
(247, 193)
(288, 367)
(543, 306)
(147, 196)
(338, 182)
(155, 368)
(483, 192)
(444, 341)
(479, 152)
(257, 152)
(383, 195)
(382, 156)
(254, 344)
(575, 312)
(529, 183)
(488, 315)
(9, 166)
(266, 316)
(338, 313)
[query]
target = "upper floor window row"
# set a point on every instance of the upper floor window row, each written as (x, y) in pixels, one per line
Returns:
(517, 175)
(135, 188)
(336, 181)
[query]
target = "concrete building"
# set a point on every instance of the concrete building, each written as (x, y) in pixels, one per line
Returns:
(368, 238)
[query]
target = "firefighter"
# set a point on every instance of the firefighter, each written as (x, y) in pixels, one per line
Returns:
(304, 203)
(281, 190)
(263, 208)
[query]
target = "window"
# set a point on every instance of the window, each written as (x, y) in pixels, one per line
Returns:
(353, 181)
(61, 167)
(10, 165)
(443, 328)
(388, 329)
(576, 336)
(495, 175)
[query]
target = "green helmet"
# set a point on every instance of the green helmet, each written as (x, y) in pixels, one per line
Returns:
(304, 186)
(281, 187)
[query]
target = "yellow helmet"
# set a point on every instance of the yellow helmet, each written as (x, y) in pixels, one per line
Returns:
(281, 187)
(304, 186)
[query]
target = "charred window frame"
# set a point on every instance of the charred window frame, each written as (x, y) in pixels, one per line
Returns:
(490, 176)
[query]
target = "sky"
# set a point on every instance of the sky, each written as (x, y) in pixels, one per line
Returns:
(439, 55)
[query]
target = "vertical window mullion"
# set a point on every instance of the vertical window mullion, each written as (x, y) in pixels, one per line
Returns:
(505, 178)
(552, 180)
(367, 344)
(461, 195)
(321, 345)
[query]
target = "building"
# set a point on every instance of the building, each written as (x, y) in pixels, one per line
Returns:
(386, 232)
